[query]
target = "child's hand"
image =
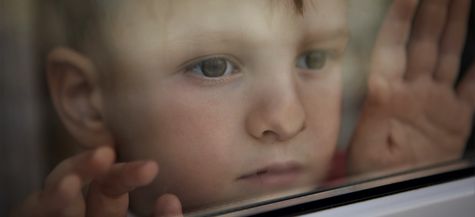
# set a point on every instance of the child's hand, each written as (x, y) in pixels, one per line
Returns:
(413, 115)
(107, 194)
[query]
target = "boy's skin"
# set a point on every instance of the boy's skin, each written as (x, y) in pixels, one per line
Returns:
(263, 111)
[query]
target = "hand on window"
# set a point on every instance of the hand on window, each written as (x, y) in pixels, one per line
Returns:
(413, 115)
(107, 193)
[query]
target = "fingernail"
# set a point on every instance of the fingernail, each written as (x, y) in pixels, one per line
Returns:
(149, 165)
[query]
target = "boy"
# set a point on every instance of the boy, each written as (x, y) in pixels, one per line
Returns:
(238, 99)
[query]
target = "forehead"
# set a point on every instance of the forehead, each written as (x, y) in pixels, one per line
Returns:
(160, 22)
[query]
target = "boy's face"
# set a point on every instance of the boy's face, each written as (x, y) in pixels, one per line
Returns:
(233, 99)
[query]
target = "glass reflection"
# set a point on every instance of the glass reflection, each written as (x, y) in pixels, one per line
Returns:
(188, 105)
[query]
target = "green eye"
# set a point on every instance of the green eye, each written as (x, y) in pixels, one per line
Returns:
(213, 67)
(312, 60)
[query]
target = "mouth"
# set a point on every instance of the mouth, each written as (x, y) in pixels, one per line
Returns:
(274, 175)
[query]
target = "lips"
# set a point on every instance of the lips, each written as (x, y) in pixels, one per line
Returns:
(274, 175)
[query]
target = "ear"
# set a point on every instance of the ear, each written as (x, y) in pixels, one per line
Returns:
(76, 94)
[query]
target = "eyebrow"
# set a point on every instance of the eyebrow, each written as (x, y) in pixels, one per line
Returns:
(240, 38)
(328, 35)
(324, 30)
(220, 36)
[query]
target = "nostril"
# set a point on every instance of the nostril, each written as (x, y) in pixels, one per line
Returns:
(268, 133)
(270, 136)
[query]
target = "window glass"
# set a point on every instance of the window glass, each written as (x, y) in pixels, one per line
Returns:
(222, 106)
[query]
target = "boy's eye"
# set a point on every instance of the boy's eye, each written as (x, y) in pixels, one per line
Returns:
(312, 60)
(213, 67)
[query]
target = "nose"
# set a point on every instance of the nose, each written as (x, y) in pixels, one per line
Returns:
(277, 114)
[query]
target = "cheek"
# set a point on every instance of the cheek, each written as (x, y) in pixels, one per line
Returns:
(322, 101)
(194, 133)
(173, 120)
(199, 149)
(191, 138)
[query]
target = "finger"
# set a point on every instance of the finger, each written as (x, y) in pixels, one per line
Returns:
(108, 196)
(452, 42)
(85, 165)
(423, 47)
(67, 200)
(63, 185)
(168, 205)
(125, 177)
(389, 55)
(466, 88)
